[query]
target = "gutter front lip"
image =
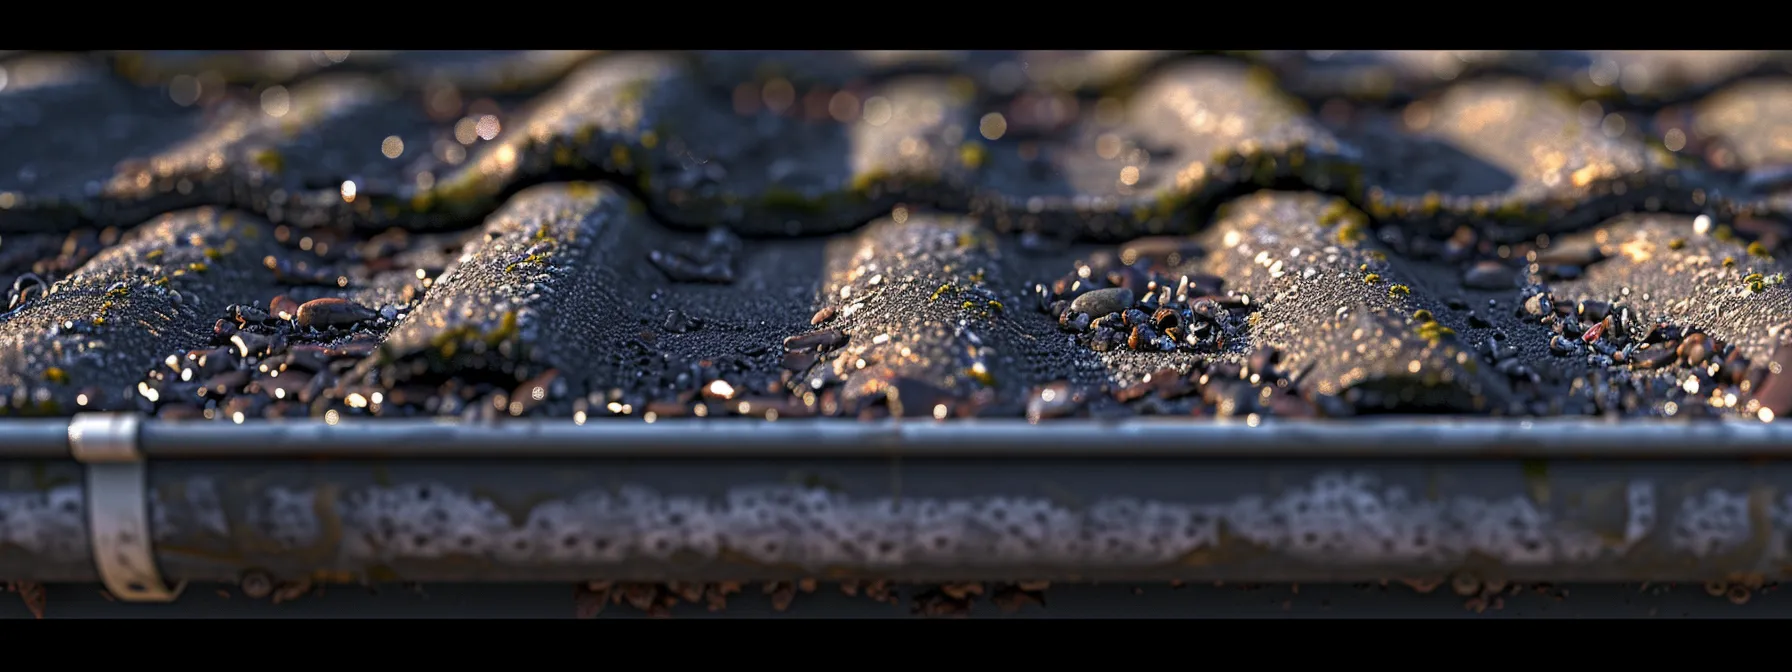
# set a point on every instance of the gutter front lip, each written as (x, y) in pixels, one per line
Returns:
(1419, 438)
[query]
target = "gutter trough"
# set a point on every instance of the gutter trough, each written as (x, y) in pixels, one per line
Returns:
(145, 505)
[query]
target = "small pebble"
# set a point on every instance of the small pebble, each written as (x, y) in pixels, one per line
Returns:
(1693, 349)
(819, 341)
(1103, 301)
(1490, 275)
(284, 307)
(331, 312)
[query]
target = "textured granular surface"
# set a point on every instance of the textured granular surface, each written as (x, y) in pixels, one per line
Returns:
(786, 234)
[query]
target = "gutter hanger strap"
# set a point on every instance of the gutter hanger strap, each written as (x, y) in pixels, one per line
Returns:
(118, 506)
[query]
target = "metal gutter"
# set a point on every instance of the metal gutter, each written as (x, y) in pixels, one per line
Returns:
(1419, 438)
(747, 500)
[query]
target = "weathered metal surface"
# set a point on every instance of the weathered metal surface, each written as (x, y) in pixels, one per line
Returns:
(1417, 438)
(905, 517)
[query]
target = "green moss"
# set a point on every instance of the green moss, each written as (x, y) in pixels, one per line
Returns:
(633, 92)
(1334, 213)
(863, 182)
(780, 198)
(506, 330)
(269, 160)
(1354, 228)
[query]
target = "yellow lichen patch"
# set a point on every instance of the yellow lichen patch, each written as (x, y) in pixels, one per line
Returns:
(1433, 331)
(1759, 251)
(56, 375)
(1372, 278)
(862, 182)
(1677, 244)
(1432, 203)
(153, 256)
(581, 190)
(213, 254)
(941, 292)
(269, 160)
(1422, 315)
(619, 156)
(972, 155)
(1397, 291)
(506, 330)
(1334, 213)
(198, 267)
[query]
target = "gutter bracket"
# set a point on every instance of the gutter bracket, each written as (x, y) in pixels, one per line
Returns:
(118, 506)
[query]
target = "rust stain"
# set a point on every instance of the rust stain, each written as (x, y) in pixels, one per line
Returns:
(1228, 548)
(329, 521)
(333, 576)
(1423, 585)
